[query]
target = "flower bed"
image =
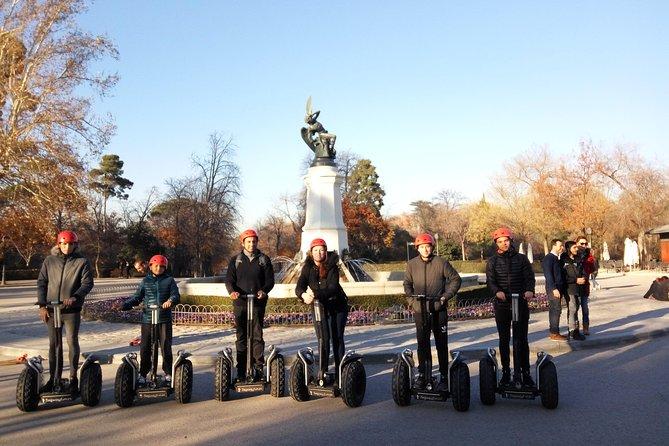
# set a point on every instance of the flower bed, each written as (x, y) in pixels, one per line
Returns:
(185, 314)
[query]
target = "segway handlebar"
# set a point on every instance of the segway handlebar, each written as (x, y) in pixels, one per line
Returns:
(424, 297)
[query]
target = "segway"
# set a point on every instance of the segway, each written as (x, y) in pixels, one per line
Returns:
(350, 382)
(545, 371)
(28, 387)
(274, 375)
(404, 375)
(128, 389)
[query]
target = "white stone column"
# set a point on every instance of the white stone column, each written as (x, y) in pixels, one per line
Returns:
(324, 217)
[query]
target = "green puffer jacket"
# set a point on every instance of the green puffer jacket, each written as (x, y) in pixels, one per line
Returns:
(155, 290)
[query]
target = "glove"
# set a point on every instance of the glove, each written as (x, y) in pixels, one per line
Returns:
(440, 304)
(125, 306)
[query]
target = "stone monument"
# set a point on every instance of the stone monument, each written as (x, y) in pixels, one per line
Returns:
(324, 217)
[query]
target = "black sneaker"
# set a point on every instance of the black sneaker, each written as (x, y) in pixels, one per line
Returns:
(74, 386)
(47, 388)
(506, 378)
(527, 379)
(576, 335)
(443, 383)
(241, 376)
(517, 379)
(420, 381)
(257, 374)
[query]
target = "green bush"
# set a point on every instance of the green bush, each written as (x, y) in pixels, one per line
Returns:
(461, 266)
(293, 303)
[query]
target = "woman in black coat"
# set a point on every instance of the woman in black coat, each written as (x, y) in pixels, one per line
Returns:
(319, 284)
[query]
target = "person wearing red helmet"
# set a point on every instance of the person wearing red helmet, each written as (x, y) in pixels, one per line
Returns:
(249, 272)
(157, 288)
(319, 281)
(66, 276)
(431, 276)
(509, 272)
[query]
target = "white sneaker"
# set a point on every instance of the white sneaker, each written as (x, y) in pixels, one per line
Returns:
(141, 380)
(168, 378)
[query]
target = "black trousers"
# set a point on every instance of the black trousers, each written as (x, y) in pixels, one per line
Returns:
(71, 322)
(329, 324)
(435, 322)
(504, 321)
(258, 345)
(164, 341)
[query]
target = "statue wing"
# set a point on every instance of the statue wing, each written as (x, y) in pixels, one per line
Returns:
(309, 112)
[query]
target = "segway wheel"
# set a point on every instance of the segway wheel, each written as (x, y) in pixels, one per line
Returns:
(487, 381)
(222, 379)
(91, 385)
(297, 386)
(548, 383)
(401, 385)
(277, 377)
(460, 387)
(183, 382)
(354, 383)
(27, 390)
(124, 392)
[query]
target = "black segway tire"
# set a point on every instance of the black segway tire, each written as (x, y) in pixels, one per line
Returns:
(487, 381)
(353, 383)
(401, 385)
(548, 385)
(124, 392)
(277, 378)
(183, 382)
(90, 386)
(298, 389)
(460, 387)
(27, 390)
(222, 379)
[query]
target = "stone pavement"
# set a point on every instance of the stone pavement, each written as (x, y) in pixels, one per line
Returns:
(618, 315)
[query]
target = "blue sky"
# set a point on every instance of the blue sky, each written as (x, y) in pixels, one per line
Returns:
(436, 94)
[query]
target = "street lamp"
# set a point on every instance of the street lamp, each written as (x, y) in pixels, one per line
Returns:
(436, 237)
(589, 232)
(409, 244)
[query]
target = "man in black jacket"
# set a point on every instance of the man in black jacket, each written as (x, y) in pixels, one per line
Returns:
(249, 272)
(507, 273)
(555, 288)
(65, 277)
(433, 277)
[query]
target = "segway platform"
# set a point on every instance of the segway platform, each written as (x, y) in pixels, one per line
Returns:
(350, 387)
(546, 379)
(273, 377)
(404, 383)
(28, 394)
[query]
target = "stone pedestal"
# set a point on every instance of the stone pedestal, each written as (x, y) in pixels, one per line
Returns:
(324, 217)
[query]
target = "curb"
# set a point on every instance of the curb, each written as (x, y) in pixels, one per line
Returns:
(468, 354)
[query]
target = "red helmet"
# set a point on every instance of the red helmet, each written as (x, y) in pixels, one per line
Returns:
(423, 239)
(158, 260)
(501, 232)
(67, 237)
(318, 242)
(247, 233)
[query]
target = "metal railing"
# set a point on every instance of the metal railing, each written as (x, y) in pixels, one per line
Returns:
(185, 314)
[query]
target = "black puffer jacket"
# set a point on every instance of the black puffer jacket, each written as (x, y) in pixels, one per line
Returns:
(328, 291)
(249, 276)
(509, 272)
(62, 277)
(573, 270)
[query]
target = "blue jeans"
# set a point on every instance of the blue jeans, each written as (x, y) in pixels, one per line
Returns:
(576, 302)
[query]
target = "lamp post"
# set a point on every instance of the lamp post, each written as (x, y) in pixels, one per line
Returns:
(408, 244)
(588, 231)
(436, 238)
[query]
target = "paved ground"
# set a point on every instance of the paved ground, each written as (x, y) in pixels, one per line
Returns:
(613, 396)
(618, 315)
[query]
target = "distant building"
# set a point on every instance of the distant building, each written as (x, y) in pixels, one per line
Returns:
(663, 232)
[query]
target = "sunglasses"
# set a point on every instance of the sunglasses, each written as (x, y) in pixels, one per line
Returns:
(583, 244)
